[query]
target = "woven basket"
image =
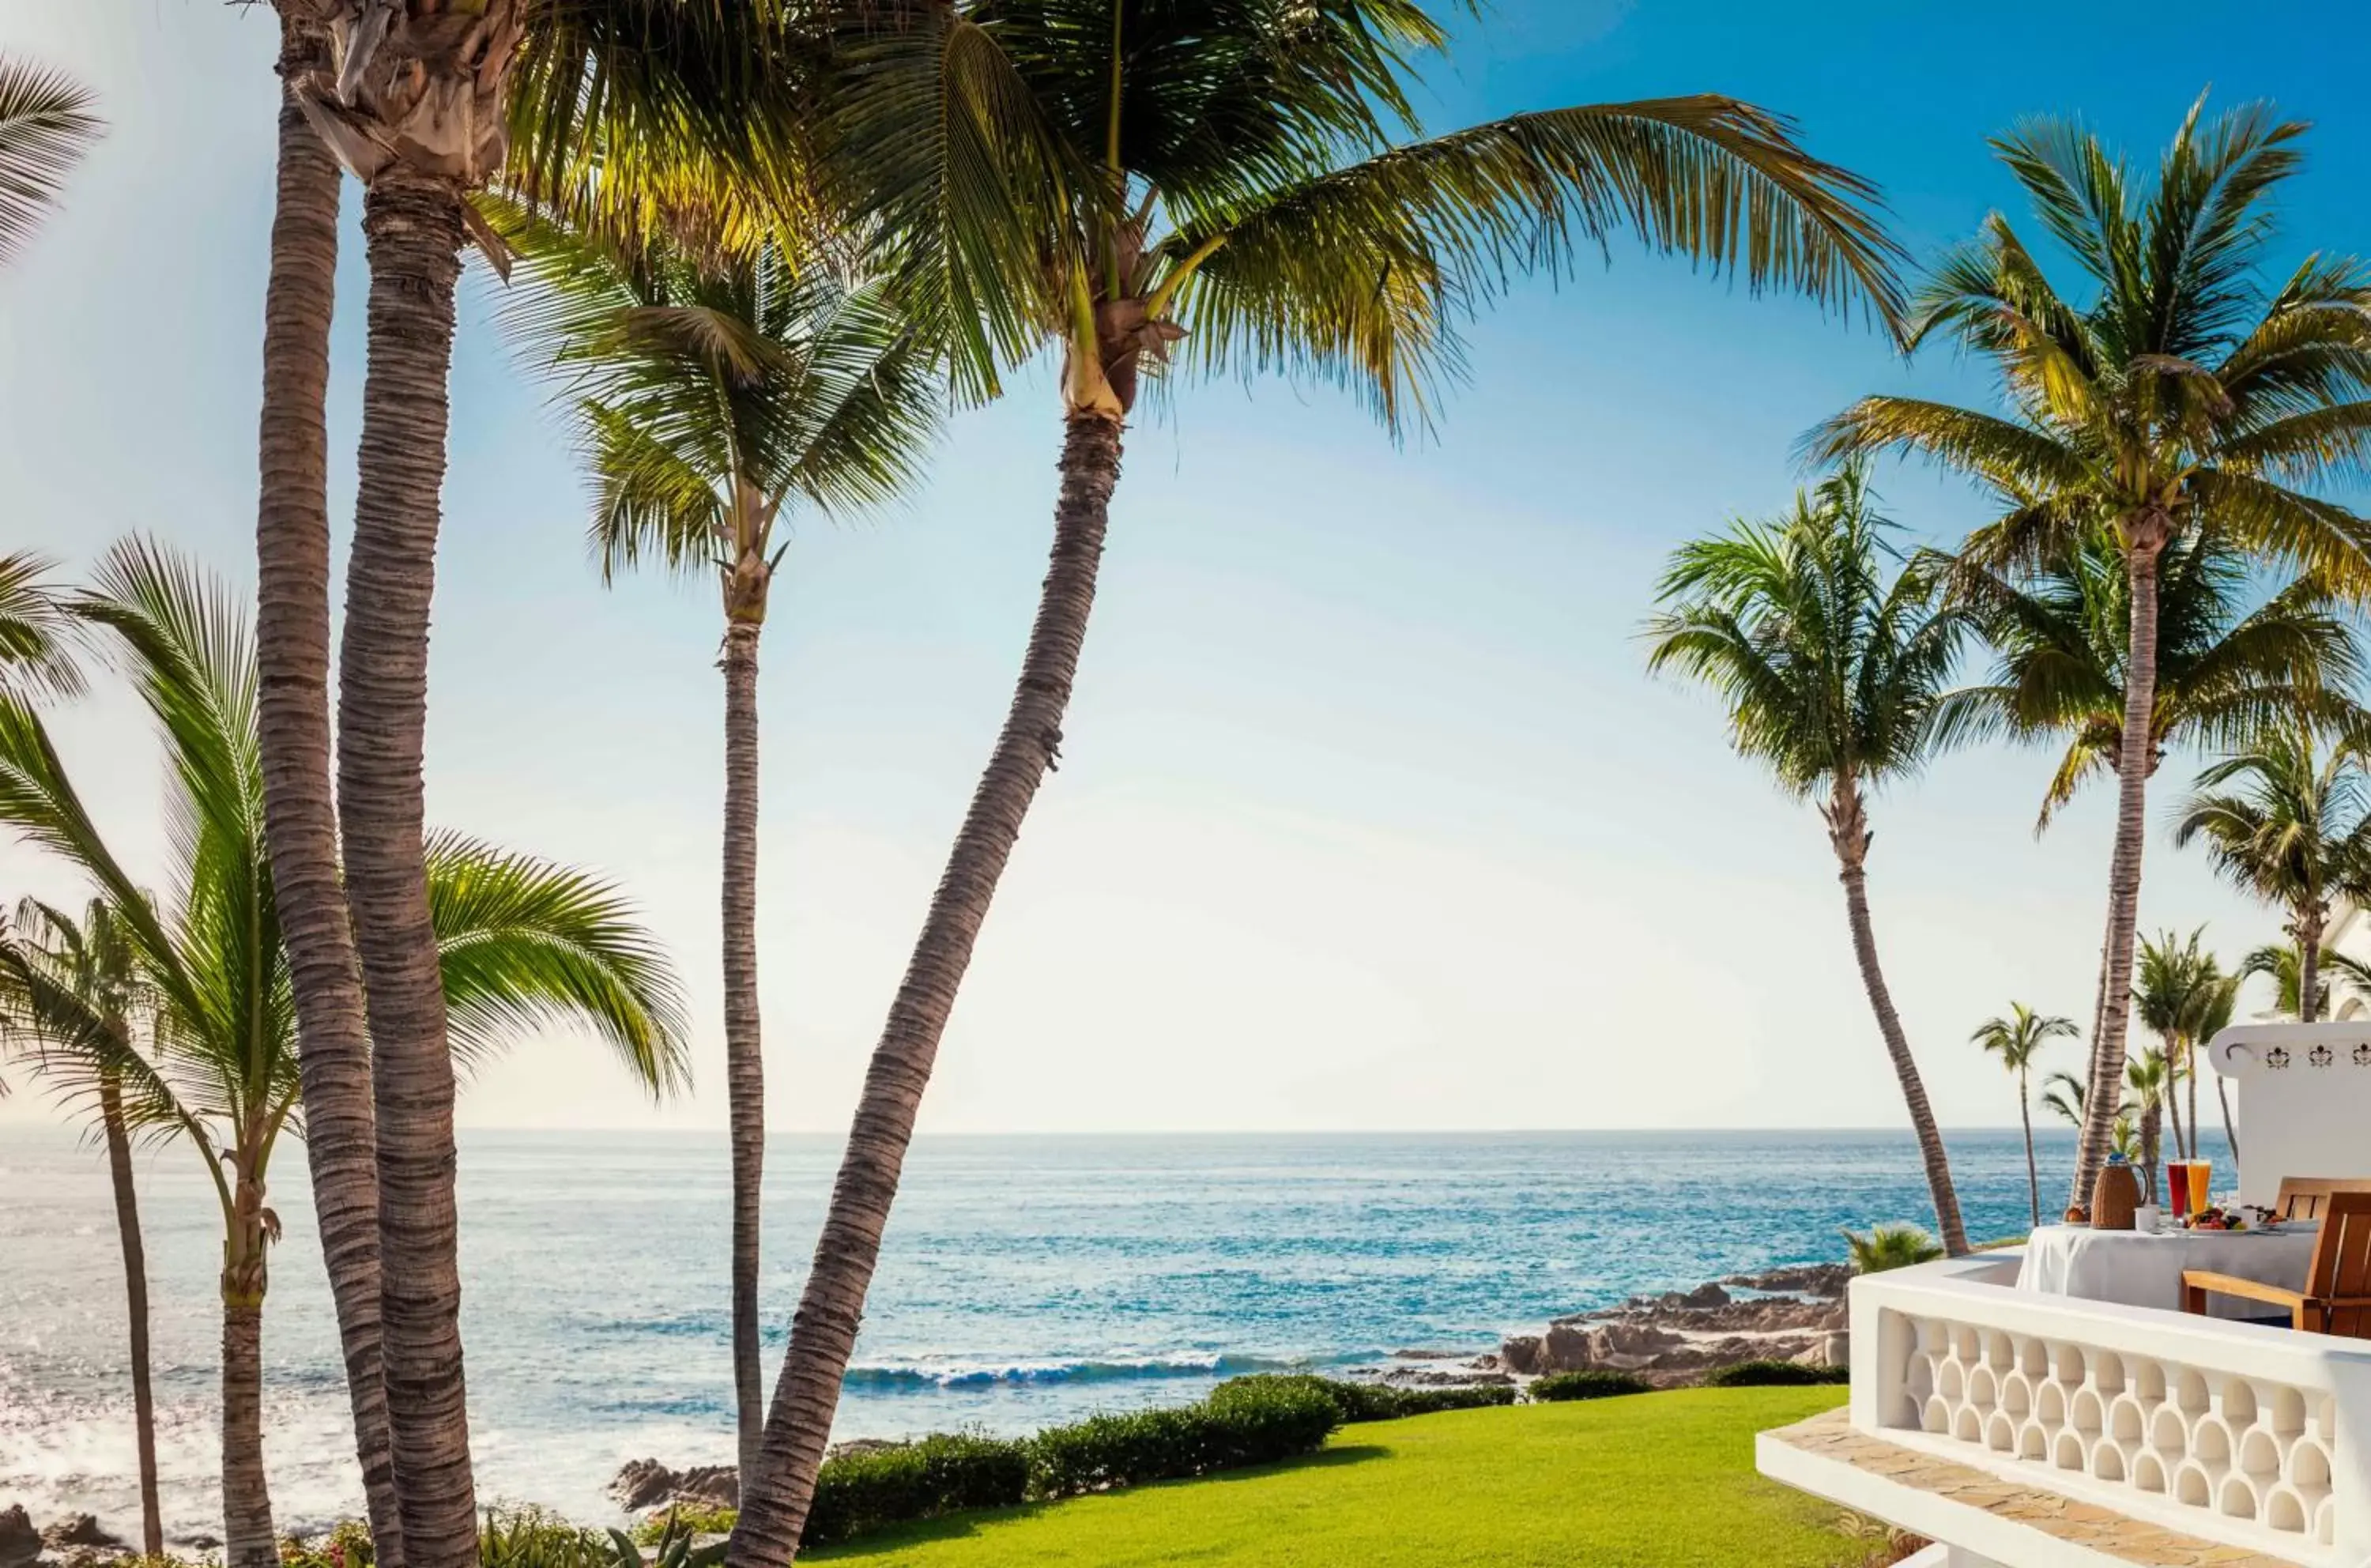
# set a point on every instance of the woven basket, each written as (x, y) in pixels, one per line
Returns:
(2114, 1196)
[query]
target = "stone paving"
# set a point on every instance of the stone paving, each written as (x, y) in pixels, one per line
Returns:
(1833, 1437)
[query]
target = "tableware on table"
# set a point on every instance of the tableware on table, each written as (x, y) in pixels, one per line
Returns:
(2176, 1188)
(2115, 1196)
(2200, 1173)
(2148, 1219)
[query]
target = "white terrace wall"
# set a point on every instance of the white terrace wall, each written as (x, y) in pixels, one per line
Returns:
(2302, 1094)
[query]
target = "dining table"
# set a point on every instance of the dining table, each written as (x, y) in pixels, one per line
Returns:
(2142, 1268)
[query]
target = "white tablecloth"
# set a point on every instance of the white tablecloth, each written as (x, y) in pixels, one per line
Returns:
(2142, 1270)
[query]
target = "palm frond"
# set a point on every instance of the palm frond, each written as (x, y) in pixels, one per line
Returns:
(46, 125)
(38, 636)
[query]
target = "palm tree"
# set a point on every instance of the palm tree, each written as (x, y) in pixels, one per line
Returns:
(2146, 1087)
(2174, 982)
(1833, 676)
(2296, 831)
(1887, 1246)
(421, 99)
(707, 394)
(2281, 964)
(2184, 390)
(45, 124)
(2016, 1040)
(521, 945)
(2230, 659)
(2219, 1003)
(1240, 179)
(70, 993)
(2065, 1095)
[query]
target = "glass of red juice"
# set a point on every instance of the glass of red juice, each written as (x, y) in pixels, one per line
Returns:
(2177, 1187)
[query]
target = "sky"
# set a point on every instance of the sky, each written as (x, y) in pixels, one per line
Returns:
(1368, 817)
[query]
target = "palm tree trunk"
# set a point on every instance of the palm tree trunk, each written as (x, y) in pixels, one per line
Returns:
(745, 1067)
(413, 224)
(2307, 925)
(2230, 1130)
(135, 1297)
(2142, 548)
(2190, 1056)
(1849, 831)
(2152, 1126)
(248, 1540)
(2033, 1173)
(292, 553)
(774, 1499)
(2173, 1059)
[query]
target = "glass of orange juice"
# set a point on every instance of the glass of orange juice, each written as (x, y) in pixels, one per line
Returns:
(2200, 1173)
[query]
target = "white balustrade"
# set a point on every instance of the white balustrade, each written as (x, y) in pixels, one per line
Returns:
(2232, 1431)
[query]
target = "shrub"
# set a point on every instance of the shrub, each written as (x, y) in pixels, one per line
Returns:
(859, 1493)
(348, 1545)
(529, 1538)
(1775, 1375)
(692, 1518)
(1897, 1246)
(1250, 1425)
(1371, 1402)
(1557, 1387)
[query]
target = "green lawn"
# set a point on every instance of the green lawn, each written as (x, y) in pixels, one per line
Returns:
(1642, 1481)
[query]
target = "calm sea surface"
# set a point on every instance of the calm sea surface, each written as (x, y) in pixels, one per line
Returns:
(1028, 1280)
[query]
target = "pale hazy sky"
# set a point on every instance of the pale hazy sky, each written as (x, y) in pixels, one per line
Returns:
(1368, 816)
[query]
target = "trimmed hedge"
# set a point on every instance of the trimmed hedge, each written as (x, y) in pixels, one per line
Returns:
(1775, 1375)
(859, 1493)
(1374, 1401)
(1235, 1426)
(1272, 1419)
(1557, 1387)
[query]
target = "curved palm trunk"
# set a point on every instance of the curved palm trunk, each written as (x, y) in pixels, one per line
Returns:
(291, 555)
(2174, 1056)
(1849, 832)
(745, 1067)
(2032, 1171)
(413, 227)
(774, 1499)
(135, 1297)
(2142, 548)
(2151, 1128)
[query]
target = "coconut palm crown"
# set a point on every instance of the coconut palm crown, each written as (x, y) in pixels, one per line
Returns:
(2181, 387)
(522, 946)
(46, 123)
(2016, 1040)
(2231, 658)
(2291, 824)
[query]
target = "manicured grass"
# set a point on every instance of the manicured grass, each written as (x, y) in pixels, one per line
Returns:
(1653, 1481)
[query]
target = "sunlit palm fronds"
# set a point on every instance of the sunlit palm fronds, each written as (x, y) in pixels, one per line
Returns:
(38, 633)
(46, 125)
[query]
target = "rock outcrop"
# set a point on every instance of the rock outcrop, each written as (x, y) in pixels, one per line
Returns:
(1678, 1335)
(647, 1483)
(19, 1542)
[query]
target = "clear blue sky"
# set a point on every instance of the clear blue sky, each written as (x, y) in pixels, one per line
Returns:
(1369, 817)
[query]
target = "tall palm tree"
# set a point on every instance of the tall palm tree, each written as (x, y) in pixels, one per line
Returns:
(2183, 390)
(2294, 829)
(2064, 1096)
(70, 993)
(2219, 1003)
(2174, 982)
(421, 99)
(2017, 1040)
(520, 945)
(46, 123)
(1832, 677)
(1242, 185)
(2230, 658)
(709, 392)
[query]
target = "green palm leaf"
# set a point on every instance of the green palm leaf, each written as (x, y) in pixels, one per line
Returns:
(45, 124)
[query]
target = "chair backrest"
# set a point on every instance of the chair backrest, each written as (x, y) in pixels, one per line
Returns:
(2341, 1262)
(2304, 1197)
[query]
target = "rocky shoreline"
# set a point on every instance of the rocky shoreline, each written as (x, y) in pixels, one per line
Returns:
(1790, 1314)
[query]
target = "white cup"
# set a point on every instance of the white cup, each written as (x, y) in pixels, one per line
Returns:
(2148, 1218)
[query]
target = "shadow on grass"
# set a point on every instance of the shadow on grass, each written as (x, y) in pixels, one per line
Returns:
(955, 1526)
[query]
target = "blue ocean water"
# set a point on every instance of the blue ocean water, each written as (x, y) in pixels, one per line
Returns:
(1027, 1280)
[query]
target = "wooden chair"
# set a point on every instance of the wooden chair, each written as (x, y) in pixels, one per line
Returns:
(2337, 1294)
(2304, 1197)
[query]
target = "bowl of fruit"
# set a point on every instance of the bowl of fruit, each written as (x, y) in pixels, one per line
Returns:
(2212, 1218)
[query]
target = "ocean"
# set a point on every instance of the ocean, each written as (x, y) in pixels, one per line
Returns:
(1026, 1281)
